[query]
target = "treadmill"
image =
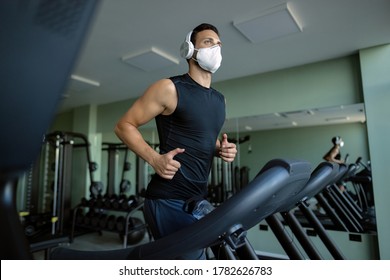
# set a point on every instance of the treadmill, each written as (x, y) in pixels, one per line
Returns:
(224, 228)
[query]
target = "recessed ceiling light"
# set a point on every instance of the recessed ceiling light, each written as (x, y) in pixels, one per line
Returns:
(336, 119)
(79, 83)
(273, 23)
(150, 59)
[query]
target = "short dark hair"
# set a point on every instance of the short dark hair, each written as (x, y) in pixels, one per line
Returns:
(202, 27)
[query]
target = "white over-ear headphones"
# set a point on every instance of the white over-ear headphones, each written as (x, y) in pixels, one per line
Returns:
(337, 140)
(187, 48)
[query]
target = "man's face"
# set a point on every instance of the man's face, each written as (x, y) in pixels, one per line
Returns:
(207, 39)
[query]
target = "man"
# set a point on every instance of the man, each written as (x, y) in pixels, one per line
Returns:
(189, 115)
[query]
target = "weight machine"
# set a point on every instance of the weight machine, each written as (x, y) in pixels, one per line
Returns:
(28, 106)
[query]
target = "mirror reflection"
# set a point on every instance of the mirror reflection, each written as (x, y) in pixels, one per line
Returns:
(308, 134)
(341, 114)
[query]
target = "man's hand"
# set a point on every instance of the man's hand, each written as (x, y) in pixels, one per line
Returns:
(227, 151)
(165, 165)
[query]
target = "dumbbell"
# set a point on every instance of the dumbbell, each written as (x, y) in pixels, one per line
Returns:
(103, 221)
(116, 203)
(129, 203)
(120, 224)
(99, 201)
(111, 222)
(108, 202)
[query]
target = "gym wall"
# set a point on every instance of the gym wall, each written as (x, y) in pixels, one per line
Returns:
(375, 64)
(329, 83)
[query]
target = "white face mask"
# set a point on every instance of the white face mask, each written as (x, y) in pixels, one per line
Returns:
(209, 58)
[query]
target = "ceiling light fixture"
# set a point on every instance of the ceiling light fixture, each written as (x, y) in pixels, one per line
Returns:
(331, 109)
(150, 59)
(273, 23)
(78, 83)
(336, 119)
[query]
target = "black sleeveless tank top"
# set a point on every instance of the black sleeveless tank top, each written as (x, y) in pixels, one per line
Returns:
(194, 125)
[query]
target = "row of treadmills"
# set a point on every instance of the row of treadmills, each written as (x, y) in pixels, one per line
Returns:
(281, 186)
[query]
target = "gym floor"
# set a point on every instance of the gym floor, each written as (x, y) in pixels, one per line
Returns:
(92, 242)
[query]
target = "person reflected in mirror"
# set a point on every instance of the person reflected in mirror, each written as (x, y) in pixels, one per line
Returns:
(334, 155)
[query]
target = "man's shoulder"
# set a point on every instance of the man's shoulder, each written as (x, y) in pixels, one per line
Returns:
(161, 88)
(164, 83)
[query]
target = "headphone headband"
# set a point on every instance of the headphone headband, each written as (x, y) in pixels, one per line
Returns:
(188, 37)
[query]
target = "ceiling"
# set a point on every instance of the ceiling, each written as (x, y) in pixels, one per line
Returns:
(330, 29)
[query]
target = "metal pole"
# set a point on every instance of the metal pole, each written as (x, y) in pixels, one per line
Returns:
(284, 238)
(330, 245)
(302, 237)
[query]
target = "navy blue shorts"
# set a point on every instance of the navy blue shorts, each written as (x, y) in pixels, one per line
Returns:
(166, 216)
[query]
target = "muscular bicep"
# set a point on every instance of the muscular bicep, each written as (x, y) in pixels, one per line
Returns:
(142, 111)
(157, 99)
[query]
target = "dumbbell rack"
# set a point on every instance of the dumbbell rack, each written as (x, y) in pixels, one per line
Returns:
(127, 229)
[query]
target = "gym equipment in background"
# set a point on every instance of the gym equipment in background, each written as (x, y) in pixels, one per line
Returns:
(41, 29)
(324, 175)
(47, 213)
(125, 184)
(113, 168)
(226, 179)
(344, 206)
(116, 210)
(103, 216)
(361, 194)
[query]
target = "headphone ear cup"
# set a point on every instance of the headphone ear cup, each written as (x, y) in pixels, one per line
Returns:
(187, 48)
